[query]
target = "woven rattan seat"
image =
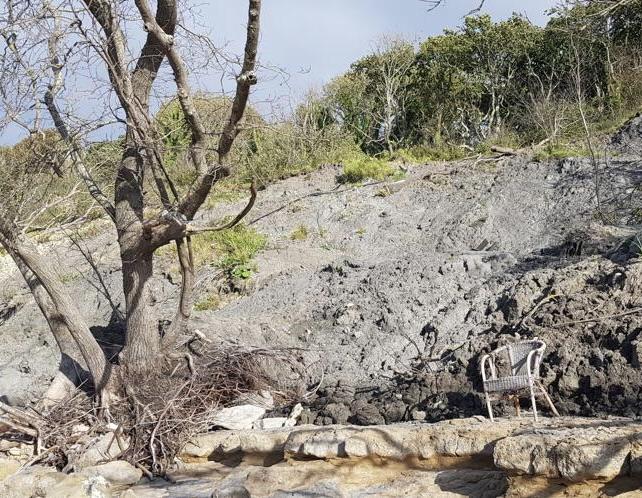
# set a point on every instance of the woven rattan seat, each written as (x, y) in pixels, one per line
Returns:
(507, 384)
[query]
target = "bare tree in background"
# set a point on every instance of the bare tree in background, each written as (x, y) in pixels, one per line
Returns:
(49, 46)
(394, 58)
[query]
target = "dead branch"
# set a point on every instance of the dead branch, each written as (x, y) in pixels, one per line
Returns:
(599, 318)
(237, 219)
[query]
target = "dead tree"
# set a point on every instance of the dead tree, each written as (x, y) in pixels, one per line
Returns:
(102, 28)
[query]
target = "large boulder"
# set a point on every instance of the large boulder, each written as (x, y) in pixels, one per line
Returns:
(593, 450)
(118, 472)
(46, 482)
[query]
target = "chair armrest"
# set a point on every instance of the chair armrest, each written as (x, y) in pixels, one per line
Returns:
(530, 362)
(490, 360)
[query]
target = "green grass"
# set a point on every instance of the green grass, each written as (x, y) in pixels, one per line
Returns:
(210, 301)
(427, 153)
(237, 247)
(230, 250)
(300, 233)
(359, 167)
(560, 151)
(67, 278)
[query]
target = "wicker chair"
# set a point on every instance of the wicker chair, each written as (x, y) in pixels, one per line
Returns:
(513, 370)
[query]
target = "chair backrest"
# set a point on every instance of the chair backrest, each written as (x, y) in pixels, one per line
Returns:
(518, 353)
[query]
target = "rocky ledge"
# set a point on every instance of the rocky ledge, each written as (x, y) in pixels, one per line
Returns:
(466, 457)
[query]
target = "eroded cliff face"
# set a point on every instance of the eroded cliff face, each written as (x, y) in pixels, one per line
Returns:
(468, 457)
(398, 289)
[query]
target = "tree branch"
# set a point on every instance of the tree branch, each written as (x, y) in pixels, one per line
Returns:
(210, 175)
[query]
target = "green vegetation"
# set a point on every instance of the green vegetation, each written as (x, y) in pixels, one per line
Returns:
(428, 153)
(507, 83)
(261, 153)
(560, 151)
(67, 278)
(236, 249)
(359, 167)
(38, 187)
(229, 250)
(210, 301)
(300, 233)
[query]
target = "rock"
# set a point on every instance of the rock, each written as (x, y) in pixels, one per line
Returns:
(295, 414)
(117, 472)
(474, 457)
(637, 353)
(46, 482)
(278, 422)
(231, 492)
(270, 423)
(238, 417)
(339, 412)
(8, 466)
(418, 414)
(574, 453)
(203, 446)
(101, 448)
(261, 442)
(130, 493)
(75, 486)
(22, 452)
(366, 414)
(394, 411)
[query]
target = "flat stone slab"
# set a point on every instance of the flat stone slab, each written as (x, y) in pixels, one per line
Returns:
(568, 448)
(513, 458)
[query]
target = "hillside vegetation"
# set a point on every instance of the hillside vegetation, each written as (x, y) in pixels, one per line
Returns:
(486, 83)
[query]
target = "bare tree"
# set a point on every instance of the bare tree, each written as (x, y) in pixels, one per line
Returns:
(43, 40)
(394, 58)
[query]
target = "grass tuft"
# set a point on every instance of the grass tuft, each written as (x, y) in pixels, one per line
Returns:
(210, 301)
(359, 167)
(560, 151)
(300, 233)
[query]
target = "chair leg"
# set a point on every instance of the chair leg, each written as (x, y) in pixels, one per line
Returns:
(516, 405)
(534, 405)
(548, 400)
(490, 410)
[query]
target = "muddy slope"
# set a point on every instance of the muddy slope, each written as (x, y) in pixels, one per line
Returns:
(398, 288)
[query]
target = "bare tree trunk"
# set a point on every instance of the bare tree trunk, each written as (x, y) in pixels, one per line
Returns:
(65, 311)
(142, 342)
(72, 369)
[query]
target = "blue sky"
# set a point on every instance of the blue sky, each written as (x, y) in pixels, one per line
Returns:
(315, 40)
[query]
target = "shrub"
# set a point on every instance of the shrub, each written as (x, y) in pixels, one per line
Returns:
(175, 135)
(289, 149)
(230, 250)
(36, 184)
